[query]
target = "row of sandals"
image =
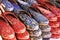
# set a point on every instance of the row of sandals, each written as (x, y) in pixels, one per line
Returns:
(28, 20)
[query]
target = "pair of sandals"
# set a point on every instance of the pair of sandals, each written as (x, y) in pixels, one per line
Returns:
(21, 16)
(28, 21)
(51, 8)
(49, 14)
(18, 26)
(31, 23)
(34, 14)
(6, 30)
(42, 20)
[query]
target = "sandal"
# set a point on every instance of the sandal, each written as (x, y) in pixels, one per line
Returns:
(5, 29)
(17, 25)
(41, 19)
(28, 21)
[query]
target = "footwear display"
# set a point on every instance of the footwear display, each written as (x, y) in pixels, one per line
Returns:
(29, 19)
(47, 14)
(38, 17)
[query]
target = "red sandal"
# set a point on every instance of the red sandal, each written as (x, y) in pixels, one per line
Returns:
(17, 25)
(5, 29)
